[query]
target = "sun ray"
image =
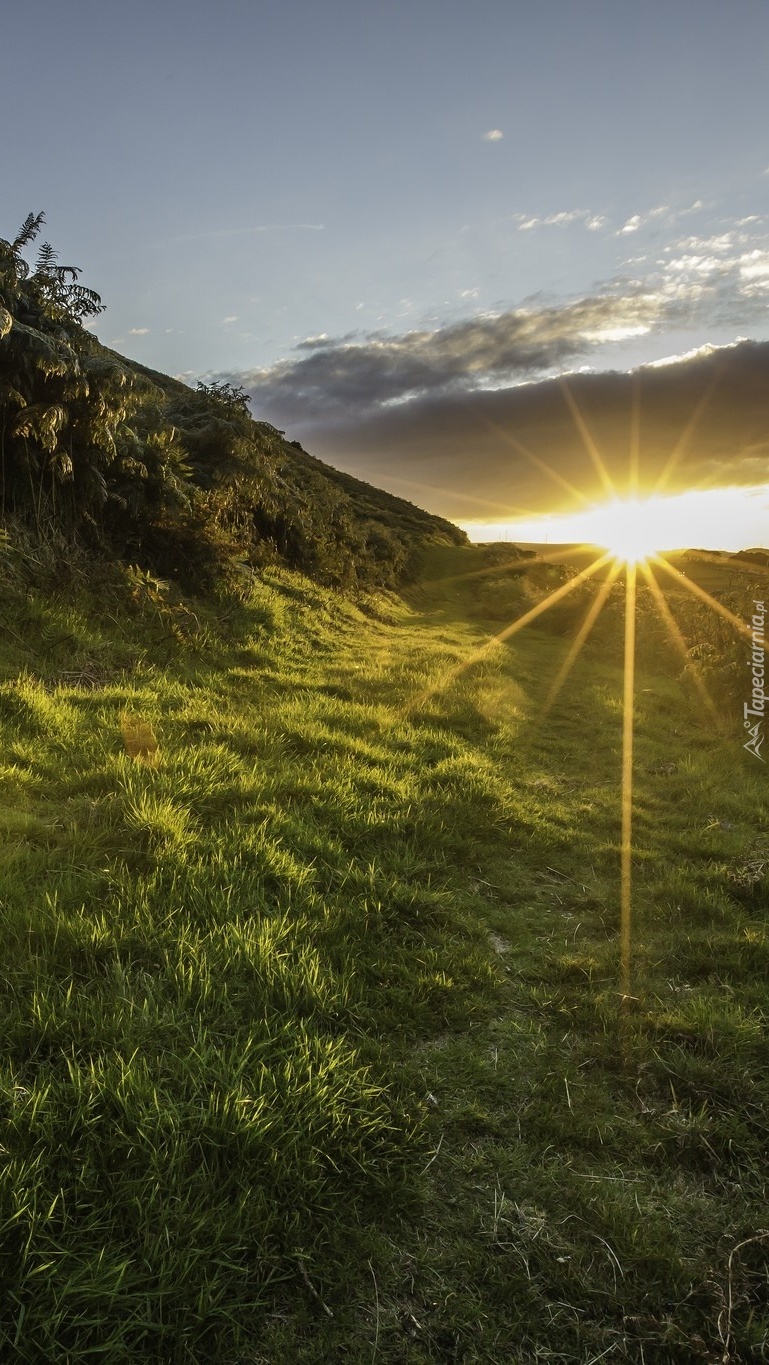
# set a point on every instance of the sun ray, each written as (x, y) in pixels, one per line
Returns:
(509, 631)
(626, 842)
(515, 566)
(533, 459)
(676, 635)
(635, 434)
(589, 443)
(492, 504)
(596, 607)
(683, 440)
(697, 591)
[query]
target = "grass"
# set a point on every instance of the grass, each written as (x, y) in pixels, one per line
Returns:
(313, 1042)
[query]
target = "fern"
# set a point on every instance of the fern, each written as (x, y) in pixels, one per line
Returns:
(28, 232)
(46, 259)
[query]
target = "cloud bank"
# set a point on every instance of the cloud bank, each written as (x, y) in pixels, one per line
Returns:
(520, 451)
(467, 415)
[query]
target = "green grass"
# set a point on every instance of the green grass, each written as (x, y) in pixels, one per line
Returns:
(314, 1047)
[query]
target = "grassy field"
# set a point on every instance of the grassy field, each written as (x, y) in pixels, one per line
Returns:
(314, 1046)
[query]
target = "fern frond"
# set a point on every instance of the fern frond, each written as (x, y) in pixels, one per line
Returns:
(43, 353)
(40, 422)
(62, 466)
(46, 259)
(83, 302)
(28, 231)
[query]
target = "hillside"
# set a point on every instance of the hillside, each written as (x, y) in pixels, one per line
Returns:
(100, 451)
(314, 1042)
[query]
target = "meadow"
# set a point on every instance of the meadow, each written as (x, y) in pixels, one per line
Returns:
(314, 1044)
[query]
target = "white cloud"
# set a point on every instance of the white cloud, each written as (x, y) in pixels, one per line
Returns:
(232, 318)
(621, 333)
(754, 272)
(138, 331)
(639, 220)
(493, 135)
(561, 219)
(696, 353)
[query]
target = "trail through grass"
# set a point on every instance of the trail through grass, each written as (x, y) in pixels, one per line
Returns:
(314, 1047)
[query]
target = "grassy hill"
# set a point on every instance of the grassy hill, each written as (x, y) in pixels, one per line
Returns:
(314, 1042)
(99, 451)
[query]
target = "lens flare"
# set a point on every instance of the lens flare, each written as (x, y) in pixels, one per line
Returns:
(629, 528)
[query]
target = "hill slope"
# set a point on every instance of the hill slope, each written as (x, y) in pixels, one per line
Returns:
(314, 1043)
(132, 463)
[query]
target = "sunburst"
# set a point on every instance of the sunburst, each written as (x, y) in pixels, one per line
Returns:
(628, 529)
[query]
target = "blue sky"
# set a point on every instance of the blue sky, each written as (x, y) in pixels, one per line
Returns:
(413, 198)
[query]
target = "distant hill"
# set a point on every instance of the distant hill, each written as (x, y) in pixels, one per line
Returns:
(760, 557)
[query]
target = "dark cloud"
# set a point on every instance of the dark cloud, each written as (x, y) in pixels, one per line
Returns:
(329, 377)
(513, 451)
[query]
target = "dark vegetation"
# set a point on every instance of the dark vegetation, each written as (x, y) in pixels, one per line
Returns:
(99, 451)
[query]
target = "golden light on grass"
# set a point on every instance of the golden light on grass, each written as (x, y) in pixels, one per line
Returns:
(140, 740)
(580, 638)
(676, 635)
(626, 840)
(509, 631)
(635, 530)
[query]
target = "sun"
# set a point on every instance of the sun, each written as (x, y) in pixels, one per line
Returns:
(629, 528)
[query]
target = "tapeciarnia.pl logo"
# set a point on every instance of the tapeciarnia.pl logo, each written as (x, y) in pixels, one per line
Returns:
(754, 711)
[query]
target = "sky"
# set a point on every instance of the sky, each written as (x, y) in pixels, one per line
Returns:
(369, 214)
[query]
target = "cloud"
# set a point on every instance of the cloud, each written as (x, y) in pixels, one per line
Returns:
(233, 317)
(593, 221)
(721, 280)
(138, 331)
(439, 414)
(632, 224)
(640, 220)
(512, 451)
(360, 374)
(494, 135)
